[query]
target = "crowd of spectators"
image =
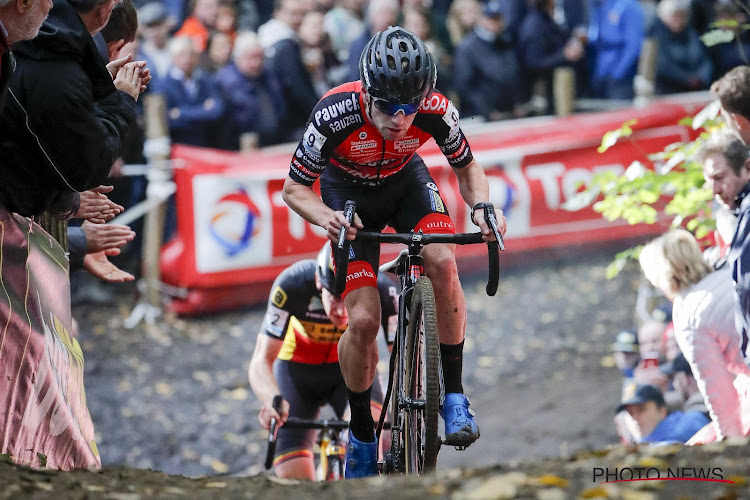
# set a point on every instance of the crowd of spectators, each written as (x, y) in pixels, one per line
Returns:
(707, 376)
(259, 68)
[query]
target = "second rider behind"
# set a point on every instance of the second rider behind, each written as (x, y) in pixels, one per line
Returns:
(369, 131)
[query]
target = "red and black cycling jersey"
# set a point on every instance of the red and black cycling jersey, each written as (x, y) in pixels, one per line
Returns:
(295, 314)
(339, 133)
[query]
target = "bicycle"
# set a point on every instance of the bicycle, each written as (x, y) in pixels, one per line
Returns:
(415, 368)
(332, 451)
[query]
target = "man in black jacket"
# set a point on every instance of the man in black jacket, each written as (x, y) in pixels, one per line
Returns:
(19, 20)
(284, 57)
(65, 121)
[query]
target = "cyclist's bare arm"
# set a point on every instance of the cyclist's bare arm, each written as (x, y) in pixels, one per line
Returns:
(303, 200)
(262, 380)
(472, 183)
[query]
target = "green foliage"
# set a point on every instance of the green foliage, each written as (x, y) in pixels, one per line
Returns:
(666, 184)
(42, 458)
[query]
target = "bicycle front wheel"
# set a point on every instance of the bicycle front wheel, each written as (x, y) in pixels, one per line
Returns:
(422, 381)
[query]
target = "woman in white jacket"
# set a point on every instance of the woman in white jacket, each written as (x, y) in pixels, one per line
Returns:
(703, 317)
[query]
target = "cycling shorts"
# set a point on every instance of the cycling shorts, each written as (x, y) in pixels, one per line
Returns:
(404, 201)
(308, 388)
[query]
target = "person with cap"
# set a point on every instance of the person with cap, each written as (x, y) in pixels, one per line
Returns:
(154, 47)
(645, 405)
(487, 73)
(361, 141)
(626, 352)
(296, 355)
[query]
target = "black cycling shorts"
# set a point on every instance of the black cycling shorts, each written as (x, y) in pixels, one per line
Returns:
(308, 388)
(404, 201)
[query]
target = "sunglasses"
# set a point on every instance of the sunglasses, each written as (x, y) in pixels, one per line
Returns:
(391, 109)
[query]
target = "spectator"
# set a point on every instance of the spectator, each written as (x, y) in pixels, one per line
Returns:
(683, 64)
(544, 46)
(320, 60)
(154, 27)
(280, 38)
(726, 168)
(201, 22)
(226, 19)
(80, 105)
(703, 321)
(650, 336)
(726, 56)
(463, 15)
(646, 406)
(417, 20)
(344, 23)
(380, 15)
(435, 22)
(626, 351)
(626, 356)
(733, 91)
(254, 99)
(616, 33)
(218, 54)
(194, 102)
(18, 21)
(63, 98)
(686, 385)
(487, 73)
(121, 29)
(90, 245)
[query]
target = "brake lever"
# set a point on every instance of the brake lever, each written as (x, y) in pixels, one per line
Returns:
(489, 216)
(349, 215)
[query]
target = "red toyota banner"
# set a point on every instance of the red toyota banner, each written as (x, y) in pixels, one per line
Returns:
(44, 420)
(235, 233)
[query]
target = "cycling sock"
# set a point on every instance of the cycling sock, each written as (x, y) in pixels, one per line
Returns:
(452, 357)
(362, 425)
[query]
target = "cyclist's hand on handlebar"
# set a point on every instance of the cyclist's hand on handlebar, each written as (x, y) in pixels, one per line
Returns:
(337, 221)
(487, 235)
(267, 413)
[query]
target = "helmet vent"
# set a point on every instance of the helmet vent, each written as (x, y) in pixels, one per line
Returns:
(405, 65)
(391, 62)
(417, 63)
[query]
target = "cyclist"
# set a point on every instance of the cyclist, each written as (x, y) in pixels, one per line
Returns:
(368, 131)
(296, 356)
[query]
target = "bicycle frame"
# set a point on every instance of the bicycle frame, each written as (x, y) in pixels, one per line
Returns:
(419, 414)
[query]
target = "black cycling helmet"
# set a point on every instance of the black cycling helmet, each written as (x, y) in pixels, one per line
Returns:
(324, 267)
(397, 67)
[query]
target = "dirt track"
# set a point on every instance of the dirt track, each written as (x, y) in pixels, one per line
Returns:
(174, 396)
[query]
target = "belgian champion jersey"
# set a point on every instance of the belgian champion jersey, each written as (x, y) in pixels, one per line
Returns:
(295, 314)
(339, 133)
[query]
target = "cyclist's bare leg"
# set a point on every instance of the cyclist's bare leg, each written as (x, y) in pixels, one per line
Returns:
(358, 358)
(440, 267)
(358, 348)
(296, 468)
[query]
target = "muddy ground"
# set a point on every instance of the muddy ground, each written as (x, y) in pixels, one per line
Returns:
(174, 396)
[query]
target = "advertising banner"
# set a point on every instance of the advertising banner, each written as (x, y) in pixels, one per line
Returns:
(44, 420)
(235, 233)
